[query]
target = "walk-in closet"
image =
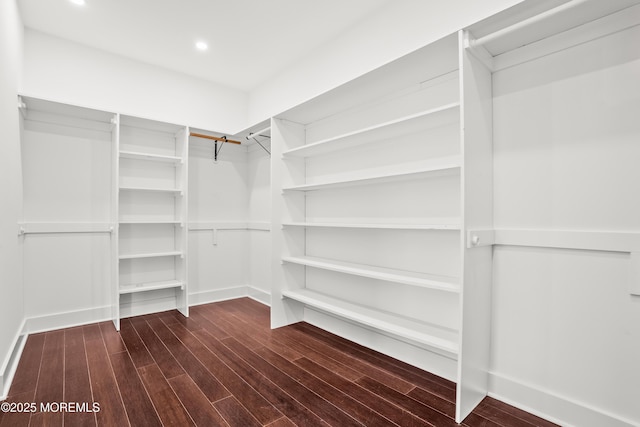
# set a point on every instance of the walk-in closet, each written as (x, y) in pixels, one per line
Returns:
(426, 216)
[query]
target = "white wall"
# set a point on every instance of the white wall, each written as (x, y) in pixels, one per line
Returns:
(11, 287)
(66, 171)
(218, 198)
(64, 71)
(259, 176)
(394, 31)
(565, 327)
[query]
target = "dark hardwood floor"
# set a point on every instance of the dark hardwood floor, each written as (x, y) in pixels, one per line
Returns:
(224, 366)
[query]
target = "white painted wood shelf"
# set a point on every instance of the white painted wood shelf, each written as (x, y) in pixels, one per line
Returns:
(434, 224)
(436, 338)
(152, 189)
(413, 123)
(151, 255)
(431, 281)
(150, 286)
(150, 157)
(151, 222)
(445, 165)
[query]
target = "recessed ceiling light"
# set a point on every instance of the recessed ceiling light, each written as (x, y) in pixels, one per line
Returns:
(200, 45)
(78, 2)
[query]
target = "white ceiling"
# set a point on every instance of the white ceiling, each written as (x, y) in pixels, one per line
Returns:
(249, 40)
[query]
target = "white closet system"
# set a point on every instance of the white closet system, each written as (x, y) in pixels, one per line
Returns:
(150, 202)
(383, 194)
(119, 184)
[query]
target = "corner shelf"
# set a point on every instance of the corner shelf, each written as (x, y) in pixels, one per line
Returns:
(444, 165)
(150, 157)
(150, 286)
(439, 339)
(151, 255)
(431, 281)
(402, 126)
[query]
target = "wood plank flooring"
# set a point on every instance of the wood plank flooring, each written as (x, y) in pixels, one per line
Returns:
(224, 366)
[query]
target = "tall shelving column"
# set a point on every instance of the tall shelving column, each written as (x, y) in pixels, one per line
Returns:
(152, 215)
(476, 136)
(377, 188)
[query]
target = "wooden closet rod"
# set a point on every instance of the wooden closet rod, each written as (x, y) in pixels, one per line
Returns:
(215, 138)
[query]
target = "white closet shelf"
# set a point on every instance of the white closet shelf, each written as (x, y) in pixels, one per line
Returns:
(152, 189)
(442, 166)
(402, 126)
(431, 281)
(436, 338)
(151, 157)
(435, 224)
(150, 255)
(151, 221)
(150, 286)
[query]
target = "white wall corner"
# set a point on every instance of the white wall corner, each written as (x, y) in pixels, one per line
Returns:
(10, 364)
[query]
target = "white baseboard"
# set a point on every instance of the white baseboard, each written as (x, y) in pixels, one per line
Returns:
(51, 322)
(10, 364)
(552, 406)
(259, 295)
(217, 295)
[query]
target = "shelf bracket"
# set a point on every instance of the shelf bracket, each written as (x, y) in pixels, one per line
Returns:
(254, 135)
(479, 238)
(478, 51)
(216, 149)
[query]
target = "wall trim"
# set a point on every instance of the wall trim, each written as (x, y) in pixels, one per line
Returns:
(217, 295)
(259, 295)
(606, 241)
(68, 319)
(10, 364)
(550, 405)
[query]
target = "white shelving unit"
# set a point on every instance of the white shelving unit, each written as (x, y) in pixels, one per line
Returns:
(151, 207)
(383, 193)
(372, 204)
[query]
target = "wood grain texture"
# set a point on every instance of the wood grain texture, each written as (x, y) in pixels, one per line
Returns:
(224, 366)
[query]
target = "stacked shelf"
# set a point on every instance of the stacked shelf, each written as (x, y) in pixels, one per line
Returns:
(151, 187)
(341, 250)
(372, 203)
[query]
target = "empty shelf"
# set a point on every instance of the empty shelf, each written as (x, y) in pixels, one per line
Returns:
(152, 189)
(431, 281)
(437, 338)
(444, 165)
(150, 286)
(402, 126)
(151, 221)
(435, 224)
(151, 157)
(150, 255)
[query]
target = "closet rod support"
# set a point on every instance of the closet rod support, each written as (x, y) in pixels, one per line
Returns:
(253, 136)
(527, 22)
